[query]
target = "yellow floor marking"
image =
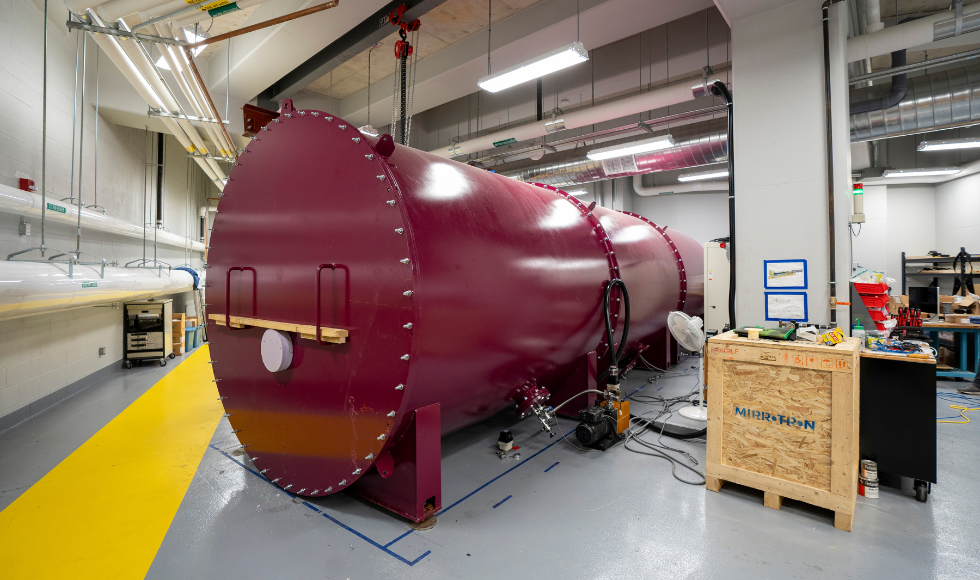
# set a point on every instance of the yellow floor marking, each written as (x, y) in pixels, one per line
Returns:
(104, 511)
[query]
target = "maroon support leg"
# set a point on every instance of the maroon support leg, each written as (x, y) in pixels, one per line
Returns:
(584, 378)
(408, 481)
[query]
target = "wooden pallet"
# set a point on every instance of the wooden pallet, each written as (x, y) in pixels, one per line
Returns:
(783, 418)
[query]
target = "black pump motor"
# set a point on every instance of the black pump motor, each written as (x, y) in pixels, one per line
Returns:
(597, 428)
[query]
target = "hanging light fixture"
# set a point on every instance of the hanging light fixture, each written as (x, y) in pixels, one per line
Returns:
(555, 60)
(645, 146)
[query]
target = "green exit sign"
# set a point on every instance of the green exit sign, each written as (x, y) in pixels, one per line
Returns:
(505, 142)
(57, 208)
(89, 284)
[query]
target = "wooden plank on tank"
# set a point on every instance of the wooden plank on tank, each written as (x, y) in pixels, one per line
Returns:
(307, 331)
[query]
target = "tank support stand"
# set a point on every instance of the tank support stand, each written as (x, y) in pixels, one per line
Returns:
(408, 480)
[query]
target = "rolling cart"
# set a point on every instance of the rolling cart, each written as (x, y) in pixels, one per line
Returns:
(148, 334)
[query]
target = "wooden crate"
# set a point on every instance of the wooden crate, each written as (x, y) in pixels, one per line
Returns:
(783, 418)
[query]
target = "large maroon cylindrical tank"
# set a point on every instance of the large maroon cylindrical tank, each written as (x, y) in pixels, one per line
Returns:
(457, 287)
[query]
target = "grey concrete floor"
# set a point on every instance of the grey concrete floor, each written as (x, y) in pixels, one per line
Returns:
(556, 511)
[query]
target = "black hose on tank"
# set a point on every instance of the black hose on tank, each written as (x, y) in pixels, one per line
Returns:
(614, 354)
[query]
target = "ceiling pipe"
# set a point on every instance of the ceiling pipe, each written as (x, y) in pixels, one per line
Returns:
(914, 33)
(697, 144)
(111, 46)
(679, 92)
(151, 74)
(872, 11)
(29, 204)
(691, 187)
(29, 288)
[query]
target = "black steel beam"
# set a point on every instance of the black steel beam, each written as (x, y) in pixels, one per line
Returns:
(358, 39)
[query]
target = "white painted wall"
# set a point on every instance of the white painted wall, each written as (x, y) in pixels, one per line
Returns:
(958, 212)
(911, 227)
(703, 216)
(41, 354)
(782, 214)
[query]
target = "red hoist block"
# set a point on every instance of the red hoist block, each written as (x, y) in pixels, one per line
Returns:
(462, 293)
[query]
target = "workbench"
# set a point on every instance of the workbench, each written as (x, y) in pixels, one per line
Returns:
(962, 340)
(898, 417)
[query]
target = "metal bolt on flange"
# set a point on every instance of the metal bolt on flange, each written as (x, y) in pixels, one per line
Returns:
(355, 139)
(288, 486)
(328, 490)
(400, 388)
(369, 156)
(288, 116)
(357, 471)
(301, 490)
(391, 414)
(407, 293)
(381, 437)
(404, 357)
(343, 482)
(276, 479)
(328, 118)
(315, 491)
(407, 325)
(405, 261)
(342, 127)
(390, 202)
(302, 113)
(399, 230)
(381, 177)
(370, 456)
(316, 113)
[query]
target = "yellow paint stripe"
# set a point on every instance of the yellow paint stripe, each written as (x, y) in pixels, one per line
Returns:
(104, 511)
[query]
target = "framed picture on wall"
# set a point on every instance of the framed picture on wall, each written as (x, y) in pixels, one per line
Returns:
(786, 306)
(785, 274)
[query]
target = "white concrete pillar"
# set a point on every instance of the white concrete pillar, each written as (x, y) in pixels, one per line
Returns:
(781, 182)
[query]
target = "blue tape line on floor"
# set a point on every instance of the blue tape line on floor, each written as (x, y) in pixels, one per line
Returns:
(552, 466)
(332, 519)
(467, 496)
(501, 501)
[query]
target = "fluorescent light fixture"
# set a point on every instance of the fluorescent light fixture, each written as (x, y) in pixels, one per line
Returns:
(921, 172)
(715, 173)
(969, 143)
(555, 60)
(646, 146)
(577, 192)
(191, 37)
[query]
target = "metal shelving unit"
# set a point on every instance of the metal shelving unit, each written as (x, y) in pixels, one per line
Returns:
(934, 261)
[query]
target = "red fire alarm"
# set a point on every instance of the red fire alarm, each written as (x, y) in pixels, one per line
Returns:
(27, 184)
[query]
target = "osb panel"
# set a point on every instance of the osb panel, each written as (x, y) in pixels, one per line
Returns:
(796, 446)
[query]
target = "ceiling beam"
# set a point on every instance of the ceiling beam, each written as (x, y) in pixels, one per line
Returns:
(373, 29)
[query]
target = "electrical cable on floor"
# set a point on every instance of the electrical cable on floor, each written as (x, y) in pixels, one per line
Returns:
(963, 409)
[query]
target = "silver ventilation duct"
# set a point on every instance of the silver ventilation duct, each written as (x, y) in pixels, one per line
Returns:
(941, 100)
(697, 144)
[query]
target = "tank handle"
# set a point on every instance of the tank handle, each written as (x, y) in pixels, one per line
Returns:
(228, 292)
(332, 266)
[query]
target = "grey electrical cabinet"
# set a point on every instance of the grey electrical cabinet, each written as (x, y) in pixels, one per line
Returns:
(148, 334)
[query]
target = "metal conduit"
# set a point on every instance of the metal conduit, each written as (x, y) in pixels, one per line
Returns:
(941, 100)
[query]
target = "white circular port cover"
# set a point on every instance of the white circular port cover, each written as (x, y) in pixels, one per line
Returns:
(277, 350)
